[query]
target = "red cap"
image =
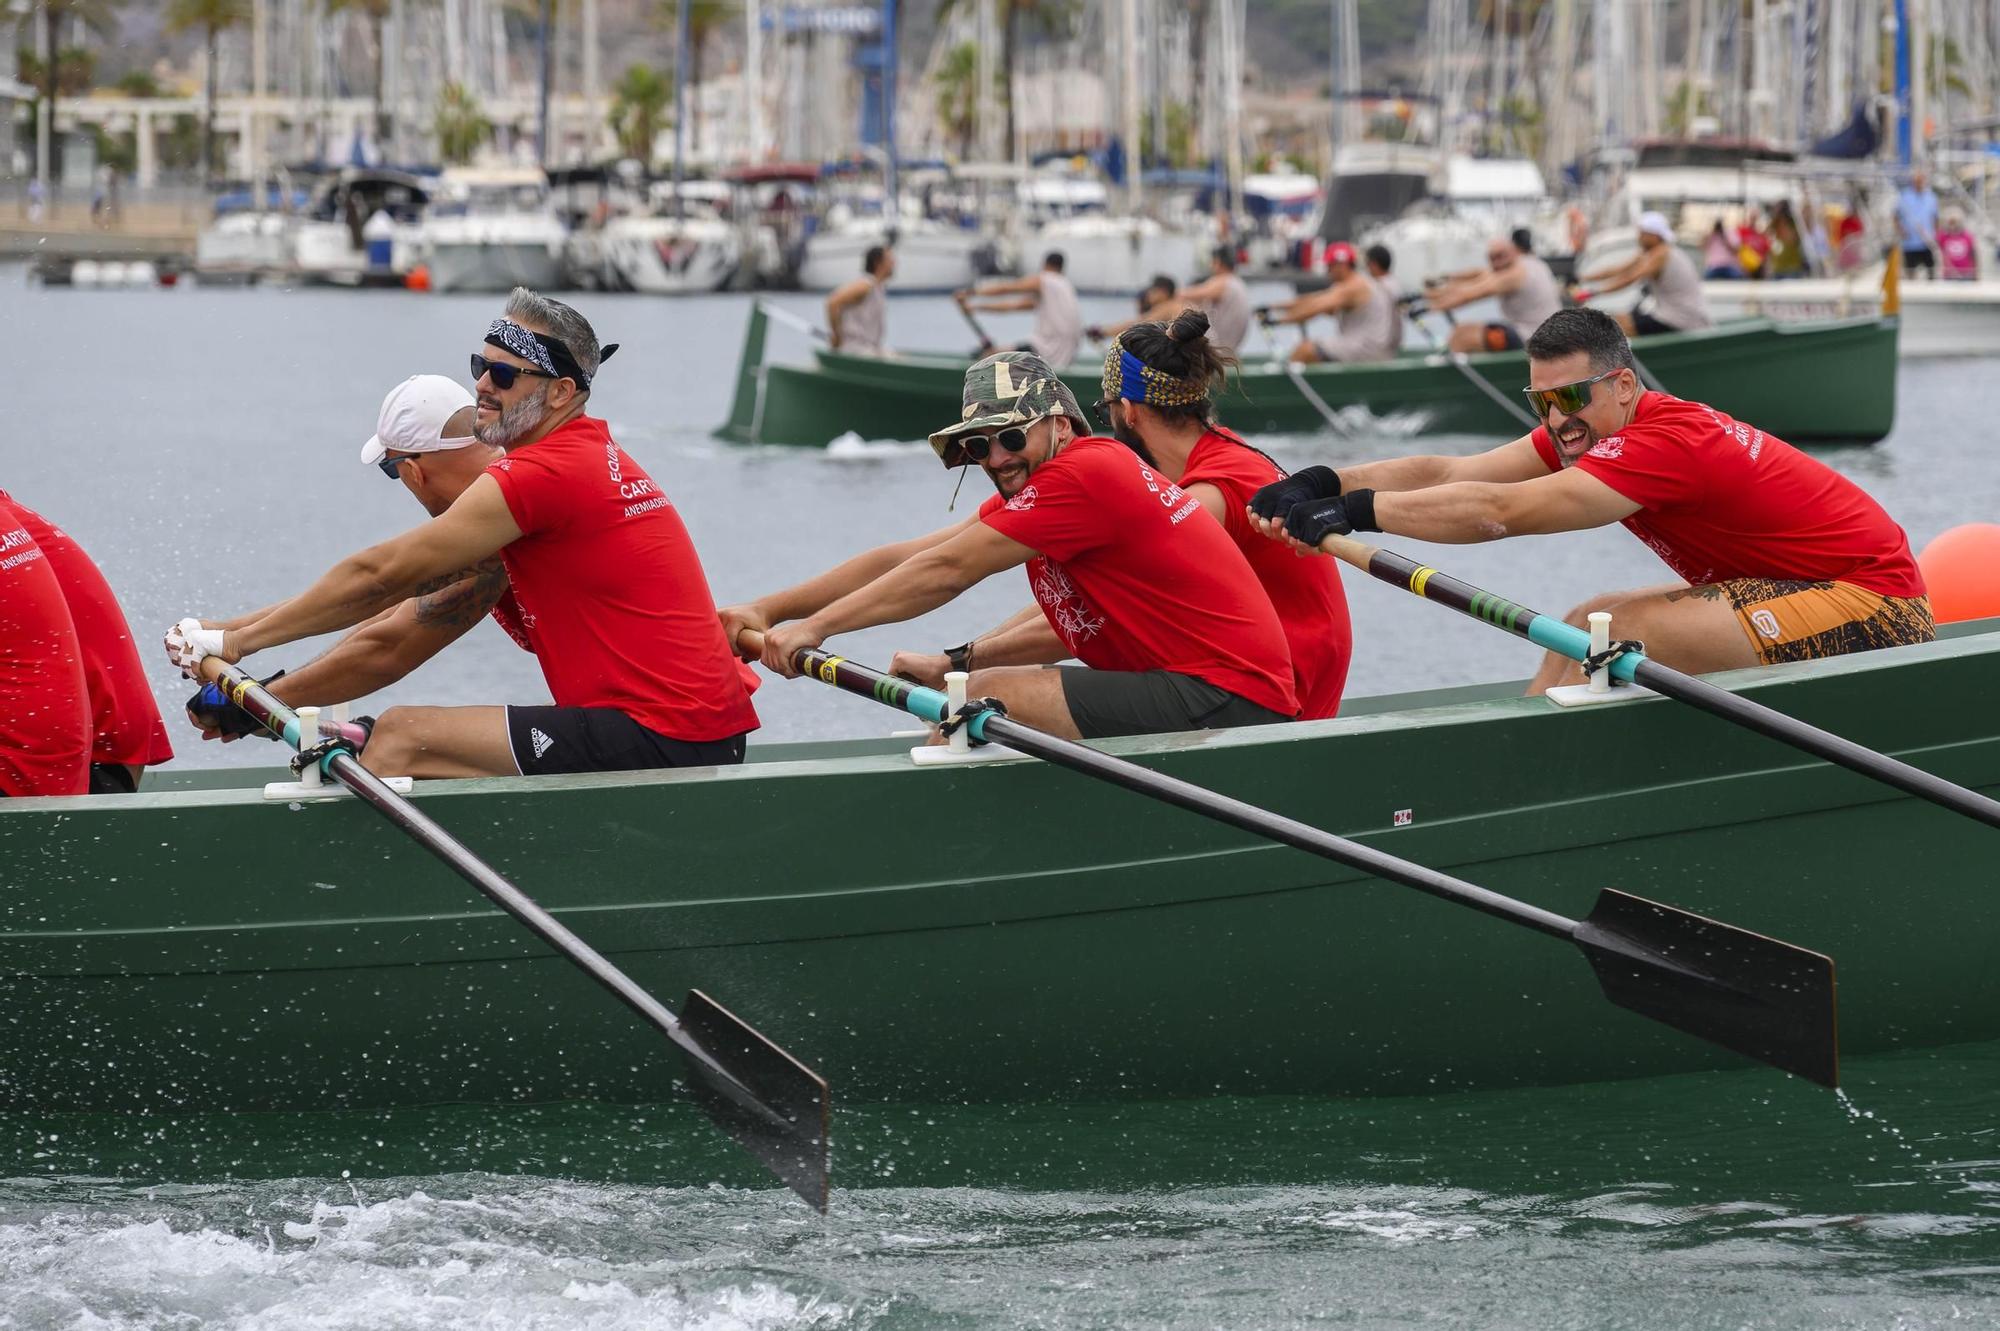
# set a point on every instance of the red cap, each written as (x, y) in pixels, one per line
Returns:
(1341, 252)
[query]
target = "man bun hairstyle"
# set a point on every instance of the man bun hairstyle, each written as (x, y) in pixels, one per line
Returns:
(1181, 350)
(1584, 329)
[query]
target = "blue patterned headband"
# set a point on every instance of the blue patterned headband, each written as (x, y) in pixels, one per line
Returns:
(549, 354)
(1128, 377)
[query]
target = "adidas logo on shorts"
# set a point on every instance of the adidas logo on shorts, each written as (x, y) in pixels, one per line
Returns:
(539, 740)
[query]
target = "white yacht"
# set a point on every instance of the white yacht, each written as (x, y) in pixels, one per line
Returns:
(1473, 199)
(1103, 253)
(333, 243)
(931, 256)
(492, 229)
(648, 249)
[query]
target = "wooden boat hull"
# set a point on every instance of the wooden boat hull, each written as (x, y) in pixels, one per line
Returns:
(1818, 383)
(1006, 931)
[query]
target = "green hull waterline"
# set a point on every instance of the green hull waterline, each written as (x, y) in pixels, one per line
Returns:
(1807, 383)
(1007, 931)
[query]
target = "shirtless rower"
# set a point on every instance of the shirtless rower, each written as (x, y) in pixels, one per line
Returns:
(1780, 557)
(610, 594)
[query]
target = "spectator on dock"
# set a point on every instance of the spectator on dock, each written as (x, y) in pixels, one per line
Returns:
(1916, 225)
(1718, 255)
(1958, 252)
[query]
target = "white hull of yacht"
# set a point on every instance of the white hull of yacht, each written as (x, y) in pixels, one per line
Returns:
(1938, 318)
(1116, 256)
(926, 260)
(493, 265)
(659, 256)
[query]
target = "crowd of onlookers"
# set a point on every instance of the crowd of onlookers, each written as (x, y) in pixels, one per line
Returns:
(1780, 243)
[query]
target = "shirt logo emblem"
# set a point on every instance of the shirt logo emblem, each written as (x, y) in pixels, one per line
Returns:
(1612, 446)
(1023, 501)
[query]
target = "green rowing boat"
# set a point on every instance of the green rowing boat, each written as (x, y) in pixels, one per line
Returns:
(1807, 383)
(1005, 930)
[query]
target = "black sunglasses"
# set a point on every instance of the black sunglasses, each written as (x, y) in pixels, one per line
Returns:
(977, 446)
(392, 465)
(504, 374)
(1101, 410)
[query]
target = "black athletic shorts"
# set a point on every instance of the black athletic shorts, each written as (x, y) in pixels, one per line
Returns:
(1645, 325)
(1923, 258)
(547, 740)
(1104, 703)
(1502, 337)
(112, 779)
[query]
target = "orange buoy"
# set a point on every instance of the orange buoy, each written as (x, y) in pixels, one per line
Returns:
(418, 279)
(1962, 569)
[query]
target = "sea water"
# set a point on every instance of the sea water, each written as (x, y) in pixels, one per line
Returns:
(204, 447)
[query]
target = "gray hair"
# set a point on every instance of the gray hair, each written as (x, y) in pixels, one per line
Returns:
(557, 320)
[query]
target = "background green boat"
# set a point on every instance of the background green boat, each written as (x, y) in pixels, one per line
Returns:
(1007, 931)
(1808, 383)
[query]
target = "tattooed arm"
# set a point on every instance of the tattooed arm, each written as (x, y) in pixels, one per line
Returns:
(395, 642)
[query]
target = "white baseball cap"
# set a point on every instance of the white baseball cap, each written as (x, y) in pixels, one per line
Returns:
(1657, 224)
(414, 415)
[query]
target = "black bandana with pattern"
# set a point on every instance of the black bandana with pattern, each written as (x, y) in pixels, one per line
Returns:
(549, 354)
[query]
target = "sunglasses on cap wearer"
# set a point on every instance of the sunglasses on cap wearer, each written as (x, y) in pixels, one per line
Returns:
(1569, 399)
(977, 446)
(392, 464)
(504, 374)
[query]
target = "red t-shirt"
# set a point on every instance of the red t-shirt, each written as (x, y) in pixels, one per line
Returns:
(126, 728)
(1307, 593)
(1133, 575)
(44, 706)
(1719, 499)
(609, 592)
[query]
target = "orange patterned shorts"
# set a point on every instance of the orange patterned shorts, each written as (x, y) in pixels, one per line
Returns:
(1797, 621)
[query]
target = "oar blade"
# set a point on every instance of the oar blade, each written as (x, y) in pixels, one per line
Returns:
(788, 1130)
(1760, 997)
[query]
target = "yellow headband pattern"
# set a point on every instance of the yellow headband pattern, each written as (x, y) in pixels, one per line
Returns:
(1128, 377)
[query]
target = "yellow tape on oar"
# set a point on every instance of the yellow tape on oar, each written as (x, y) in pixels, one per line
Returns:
(1421, 579)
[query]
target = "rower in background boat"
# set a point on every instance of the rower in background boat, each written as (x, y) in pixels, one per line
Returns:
(1132, 577)
(1671, 296)
(1782, 557)
(857, 315)
(1222, 296)
(424, 440)
(1369, 327)
(610, 594)
(1523, 285)
(126, 733)
(1379, 261)
(1058, 320)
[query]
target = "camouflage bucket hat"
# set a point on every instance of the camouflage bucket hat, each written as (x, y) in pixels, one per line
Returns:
(1010, 388)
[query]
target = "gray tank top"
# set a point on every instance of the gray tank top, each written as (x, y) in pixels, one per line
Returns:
(1058, 322)
(864, 325)
(1229, 314)
(1538, 296)
(1394, 291)
(1368, 331)
(1676, 293)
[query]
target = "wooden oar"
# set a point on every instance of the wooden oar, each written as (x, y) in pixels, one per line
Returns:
(1754, 995)
(985, 342)
(770, 1102)
(1637, 668)
(1463, 364)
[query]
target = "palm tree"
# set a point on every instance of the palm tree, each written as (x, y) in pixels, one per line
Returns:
(101, 16)
(1048, 17)
(377, 13)
(638, 105)
(704, 17)
(957, 88)
(460, 124)
(212, 17)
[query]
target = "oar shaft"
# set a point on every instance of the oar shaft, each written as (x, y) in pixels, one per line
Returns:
(931, 705)
(1632, 667)
(253, 698)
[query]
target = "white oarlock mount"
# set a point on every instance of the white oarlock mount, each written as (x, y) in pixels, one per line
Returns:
(959, 748)
(312, 783)
(1601, 688)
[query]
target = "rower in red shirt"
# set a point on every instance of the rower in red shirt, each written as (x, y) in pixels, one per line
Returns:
(1780, 557)
(606, 588)
(1131, 576)
(127, 734)
(44, 703)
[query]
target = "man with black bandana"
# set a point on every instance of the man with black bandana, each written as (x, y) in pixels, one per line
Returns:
(606, 588)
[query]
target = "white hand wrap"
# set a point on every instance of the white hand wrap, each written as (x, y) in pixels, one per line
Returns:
(188, 642)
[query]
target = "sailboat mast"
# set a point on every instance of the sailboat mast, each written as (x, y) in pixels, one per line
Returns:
(1134, 158)
(683, 59)
(753, 80)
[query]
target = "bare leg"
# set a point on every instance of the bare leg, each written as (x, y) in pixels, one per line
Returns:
(1467, 338)
(1033, 694)
(434, 742)
(1692, 629)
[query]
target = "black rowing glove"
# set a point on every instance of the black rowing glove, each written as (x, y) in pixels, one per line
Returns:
(1277, 499)
(1313, 521)
(209, 710)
